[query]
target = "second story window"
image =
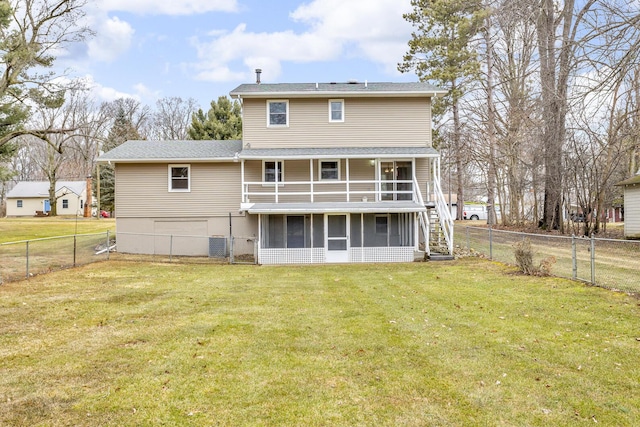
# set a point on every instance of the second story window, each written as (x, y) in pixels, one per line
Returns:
(336, 110)
(277, 113)
(179, 178)
(272, 170)
(329, 170)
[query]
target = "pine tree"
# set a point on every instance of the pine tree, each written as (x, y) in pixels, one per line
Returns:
(121, 131)
(441, 51)
(223, 121)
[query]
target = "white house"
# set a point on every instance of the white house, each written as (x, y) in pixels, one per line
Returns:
(631, 206)
(29, 197)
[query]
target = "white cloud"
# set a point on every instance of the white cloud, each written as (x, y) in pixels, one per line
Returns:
(170, 7)
(113, 38)
(375, 31)
(103, 93)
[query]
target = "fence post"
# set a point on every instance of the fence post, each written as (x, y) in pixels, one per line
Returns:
(75, 246)
(170, 247)
(593, 259)
(27, 276)
(490, 243)
(108, 250)
(466, 229)
(574, 258)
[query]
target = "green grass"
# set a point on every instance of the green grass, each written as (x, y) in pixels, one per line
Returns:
(462, 343)
(17, 229)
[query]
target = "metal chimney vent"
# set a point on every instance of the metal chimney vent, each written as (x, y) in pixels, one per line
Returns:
(258, 72)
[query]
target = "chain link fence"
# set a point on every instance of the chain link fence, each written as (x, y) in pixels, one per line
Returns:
(608, 263)
(23, 259)
(26, 258)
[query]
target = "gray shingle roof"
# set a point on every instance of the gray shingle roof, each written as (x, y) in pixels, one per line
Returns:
(172, 150)
(41, 188)
(324, 89)
(342, 152)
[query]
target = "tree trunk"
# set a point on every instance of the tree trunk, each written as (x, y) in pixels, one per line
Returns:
(491, 128)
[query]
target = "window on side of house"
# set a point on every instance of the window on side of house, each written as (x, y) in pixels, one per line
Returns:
(329, 170)
(19, 203)
(271, 170)
(179, 178)
(336, 110)
(278, 113)
(65, 203)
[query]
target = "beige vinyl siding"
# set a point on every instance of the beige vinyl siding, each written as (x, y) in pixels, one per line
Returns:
(632, 211)
(422, 175)
(142, 191)
(29, 206)
(369, 122)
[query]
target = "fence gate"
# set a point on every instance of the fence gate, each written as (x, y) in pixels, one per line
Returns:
(244, 250)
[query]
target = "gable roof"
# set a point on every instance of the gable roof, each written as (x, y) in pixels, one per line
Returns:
(28, 189)
(174, 151)
(306, 90)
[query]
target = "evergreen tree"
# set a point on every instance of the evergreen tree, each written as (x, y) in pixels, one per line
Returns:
(122, 130)
(222, 121)
(441, 51)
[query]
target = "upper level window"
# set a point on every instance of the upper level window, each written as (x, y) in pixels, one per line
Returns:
(272, 170)
(65, 203)
(336, 110)
(179, 178)
(278, 113)
(329, 169)
(19, 203)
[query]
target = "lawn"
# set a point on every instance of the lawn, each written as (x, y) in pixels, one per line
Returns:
(17, 229)
(461, 343)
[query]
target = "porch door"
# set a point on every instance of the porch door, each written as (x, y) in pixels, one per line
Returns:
(390, 173)
(337, 240)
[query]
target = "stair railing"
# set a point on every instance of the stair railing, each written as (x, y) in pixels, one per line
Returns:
(444, 214)
(422, 215)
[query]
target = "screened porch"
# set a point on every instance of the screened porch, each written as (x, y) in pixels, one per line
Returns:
(337, 237)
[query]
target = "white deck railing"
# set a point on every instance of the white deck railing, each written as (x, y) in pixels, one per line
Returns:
(446, 221)
(308, 191)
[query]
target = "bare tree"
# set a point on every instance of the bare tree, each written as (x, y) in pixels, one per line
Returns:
(31, 31)
(171, 118)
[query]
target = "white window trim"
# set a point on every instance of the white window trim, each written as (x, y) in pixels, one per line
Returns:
(264, 181)
(179, 190)
(341, 101)
(269, 125)
(320, 161)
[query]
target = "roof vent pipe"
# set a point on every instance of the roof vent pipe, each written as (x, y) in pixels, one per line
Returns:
(258, 72)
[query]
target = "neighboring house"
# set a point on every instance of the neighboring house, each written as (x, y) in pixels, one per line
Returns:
(631, 206)
(30, 197)
(332, 172)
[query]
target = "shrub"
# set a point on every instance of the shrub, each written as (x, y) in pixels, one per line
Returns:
(524, 257)
(524, 260)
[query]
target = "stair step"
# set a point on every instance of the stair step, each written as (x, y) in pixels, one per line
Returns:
(440, 257)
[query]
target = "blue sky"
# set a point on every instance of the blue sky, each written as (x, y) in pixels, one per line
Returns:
(201, 49)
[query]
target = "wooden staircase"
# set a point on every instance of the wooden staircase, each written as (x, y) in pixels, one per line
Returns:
(438, 245)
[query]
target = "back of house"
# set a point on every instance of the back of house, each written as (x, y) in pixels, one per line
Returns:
(325, 172)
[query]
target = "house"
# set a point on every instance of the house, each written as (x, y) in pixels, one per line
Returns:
(29, 197)
(329, 172)
(631, 206)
